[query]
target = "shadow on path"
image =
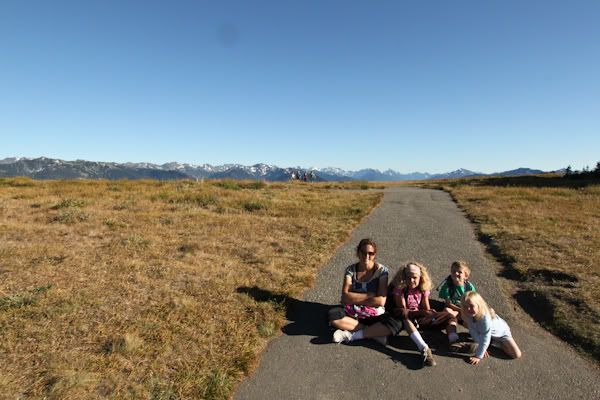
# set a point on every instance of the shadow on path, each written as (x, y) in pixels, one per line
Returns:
(310, 319)
(305, 317)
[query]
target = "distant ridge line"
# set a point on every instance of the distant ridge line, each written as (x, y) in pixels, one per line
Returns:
(50, 168)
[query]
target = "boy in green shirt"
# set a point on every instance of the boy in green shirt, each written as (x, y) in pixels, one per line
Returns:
(452, 290)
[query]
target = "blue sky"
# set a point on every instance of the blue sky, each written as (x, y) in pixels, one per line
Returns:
(407, 85)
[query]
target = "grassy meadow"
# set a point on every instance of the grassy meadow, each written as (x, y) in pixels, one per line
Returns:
(545, 230)
(130, 289)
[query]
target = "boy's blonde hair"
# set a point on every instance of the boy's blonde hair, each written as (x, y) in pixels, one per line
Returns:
(460, 264)
(475, 298)
(402, 275)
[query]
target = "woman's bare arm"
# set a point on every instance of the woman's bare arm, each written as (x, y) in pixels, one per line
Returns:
(365, 299)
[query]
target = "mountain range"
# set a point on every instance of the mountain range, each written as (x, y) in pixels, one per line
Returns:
(49, 168)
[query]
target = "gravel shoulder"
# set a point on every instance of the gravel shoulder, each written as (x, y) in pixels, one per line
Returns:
(423, 225)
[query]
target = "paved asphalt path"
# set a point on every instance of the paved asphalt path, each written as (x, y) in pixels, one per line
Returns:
(423, 225)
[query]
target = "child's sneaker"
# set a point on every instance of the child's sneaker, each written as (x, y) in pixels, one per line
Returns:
(340, 336)
(428, 360)
(471, 348)
(463, 347)
(382, 340)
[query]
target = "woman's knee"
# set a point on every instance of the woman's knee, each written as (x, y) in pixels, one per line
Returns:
(335, 323)
(335, 314)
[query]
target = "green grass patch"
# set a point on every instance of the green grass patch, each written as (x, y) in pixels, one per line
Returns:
(201, 200)
(227, 184)
(252, 206)
(68, 203)
(24, 299)
(69, 217)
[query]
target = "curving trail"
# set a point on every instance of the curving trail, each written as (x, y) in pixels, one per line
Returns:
(423, 225)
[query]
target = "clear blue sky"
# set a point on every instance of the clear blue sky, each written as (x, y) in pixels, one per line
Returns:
(408, 85)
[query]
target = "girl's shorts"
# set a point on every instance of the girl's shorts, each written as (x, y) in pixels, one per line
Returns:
(497, 341)
(500, 332)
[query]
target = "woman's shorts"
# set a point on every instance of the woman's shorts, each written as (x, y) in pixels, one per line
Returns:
(393, 324)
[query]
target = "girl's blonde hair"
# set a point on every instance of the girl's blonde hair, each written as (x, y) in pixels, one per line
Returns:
(402, 275)
(475, 298)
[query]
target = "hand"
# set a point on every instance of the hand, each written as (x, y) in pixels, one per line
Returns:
(474, 360)
(486, 354)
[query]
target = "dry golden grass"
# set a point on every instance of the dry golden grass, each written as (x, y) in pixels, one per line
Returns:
(128, 289)
(546, 233)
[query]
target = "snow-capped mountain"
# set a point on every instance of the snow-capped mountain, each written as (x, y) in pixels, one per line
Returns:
(459, 173)
(335, 171)
(48, 168)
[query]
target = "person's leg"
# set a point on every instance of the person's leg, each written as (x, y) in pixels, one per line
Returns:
(509, 346)
(338, 319)
(376, 330)
(346, 335)
(452, 323)
(414, 334)
(416, 337)
(345, 324)
(442, 318)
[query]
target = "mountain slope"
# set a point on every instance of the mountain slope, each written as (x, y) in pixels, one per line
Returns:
(48, 168)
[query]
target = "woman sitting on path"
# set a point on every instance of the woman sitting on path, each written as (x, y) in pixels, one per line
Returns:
(363, 314)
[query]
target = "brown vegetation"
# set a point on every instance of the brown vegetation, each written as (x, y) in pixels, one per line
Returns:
(545, 231)
(127, 289)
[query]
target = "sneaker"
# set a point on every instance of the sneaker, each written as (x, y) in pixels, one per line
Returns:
(463, 347)
(456, 347)
(428, 360)
(382, 340)
(340, 336)
(471, 347)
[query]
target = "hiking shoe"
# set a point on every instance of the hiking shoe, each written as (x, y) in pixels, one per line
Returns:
(382, 340)
(455, 347)
(340, 336)
(471, 347)
(428, 360)
(463, 347)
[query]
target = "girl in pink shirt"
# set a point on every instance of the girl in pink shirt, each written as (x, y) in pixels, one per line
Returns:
(411, 292)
